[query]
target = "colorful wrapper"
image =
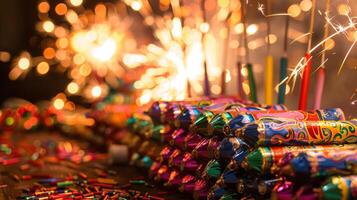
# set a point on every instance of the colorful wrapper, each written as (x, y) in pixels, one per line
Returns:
(275, 132)
(265, 159)
(219, 121)
(340, 188)
(333, 114)
(321, 164)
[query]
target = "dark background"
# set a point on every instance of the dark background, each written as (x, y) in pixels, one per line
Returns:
(18, 18)
(17, 22)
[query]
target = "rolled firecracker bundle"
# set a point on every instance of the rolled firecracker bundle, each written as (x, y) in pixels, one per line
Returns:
(216, 124)
(321, 164)
(201, 121)
(265, 159)
(333, 114)
(200, 125)
(277, 132)
(339, 188)
(173, 110)
(219, 121)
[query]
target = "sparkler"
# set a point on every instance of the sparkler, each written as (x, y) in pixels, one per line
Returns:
(269, 68)
(253, 95)
(320, 79)
(283, 65)
(307, 70)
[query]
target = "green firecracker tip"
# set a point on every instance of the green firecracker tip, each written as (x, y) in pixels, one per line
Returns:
(218, 122)
(254, 160)
(214, 169)
(331, 191)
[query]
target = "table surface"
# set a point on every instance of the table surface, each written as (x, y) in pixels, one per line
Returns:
(12, 188)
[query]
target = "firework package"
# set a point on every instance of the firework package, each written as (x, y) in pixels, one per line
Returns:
(224, 148)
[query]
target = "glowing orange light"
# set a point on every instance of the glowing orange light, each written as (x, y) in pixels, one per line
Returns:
(76, 2)
(61, 9)
(4, 56)
(305, 5)
(204, 27)
(49, 53)
(294, 10)
(85, 70)
(42, 68)
(62, 43)
(24, 63)
(96, 91)
(252, 29)
(343, 9)
(58, 104)
(136, 5)
(43, 7)
(48, 26)
(72, 88)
